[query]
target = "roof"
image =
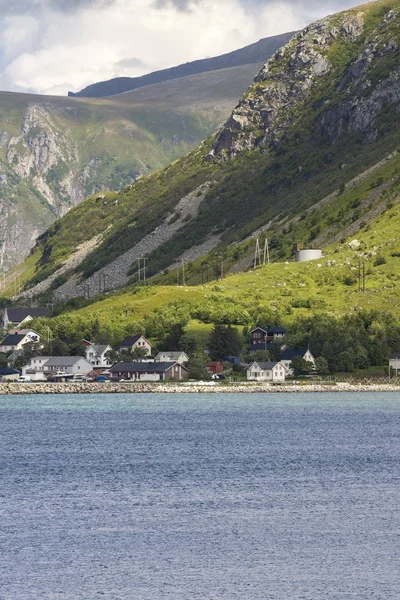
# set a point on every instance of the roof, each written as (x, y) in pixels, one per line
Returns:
(65, 361)
(395, 355)
(264, 329)
(4, 372)
(266, 366)
(292, 352)
(143, 367)
(173, 355)
(13, 339)
(269, 329)
(17, 315)
(98, 348)
(15, 354)
(129, 341)
(262, 346)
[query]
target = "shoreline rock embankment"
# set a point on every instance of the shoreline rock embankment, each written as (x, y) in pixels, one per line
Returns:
(171, 388)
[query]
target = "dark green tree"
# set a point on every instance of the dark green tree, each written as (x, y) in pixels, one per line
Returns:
(321, 366)
(301, 366)
(197, 370)
(139, 354)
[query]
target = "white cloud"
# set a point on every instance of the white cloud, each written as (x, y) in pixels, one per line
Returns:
(52, 51)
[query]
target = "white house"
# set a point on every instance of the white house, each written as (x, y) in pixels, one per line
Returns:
(17, 340)
(266, 371)
(73, 365)
(290, 353)
(17, 316)
(35, 368)
(394, 362)
(179, 357)
(134, 341)
(96, 354)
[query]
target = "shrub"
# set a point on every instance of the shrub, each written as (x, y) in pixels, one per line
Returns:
(380, 260)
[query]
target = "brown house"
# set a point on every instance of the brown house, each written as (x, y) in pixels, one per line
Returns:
(149, 371)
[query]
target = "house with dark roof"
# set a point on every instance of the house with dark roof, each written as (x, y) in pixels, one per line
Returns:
(15, 317)
(134, 341)
(97, 355)
(266, 371)
(290, 353)
(262, 337)
(149, 371)
(18, 340)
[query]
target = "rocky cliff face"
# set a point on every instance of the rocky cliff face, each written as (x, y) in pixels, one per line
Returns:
(43, 174)
(338, 67)
(54, 152)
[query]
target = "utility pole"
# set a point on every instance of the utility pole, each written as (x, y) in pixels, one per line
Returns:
(364, 276)
(257, 255)
(144, 270)
(139, 269)
(183, 273)
(266, 251)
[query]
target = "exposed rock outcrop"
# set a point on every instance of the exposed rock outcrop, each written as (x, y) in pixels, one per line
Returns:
(292, 75)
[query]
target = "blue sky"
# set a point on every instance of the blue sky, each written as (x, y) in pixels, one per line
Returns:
(52, 46)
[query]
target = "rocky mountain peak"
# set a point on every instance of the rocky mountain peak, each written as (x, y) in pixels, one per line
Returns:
(284, 83)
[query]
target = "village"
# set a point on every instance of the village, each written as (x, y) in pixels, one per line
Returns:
(28, 358)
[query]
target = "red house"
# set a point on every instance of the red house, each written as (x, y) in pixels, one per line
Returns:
(215, 367)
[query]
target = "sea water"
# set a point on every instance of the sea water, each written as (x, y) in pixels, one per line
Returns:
(148, 497)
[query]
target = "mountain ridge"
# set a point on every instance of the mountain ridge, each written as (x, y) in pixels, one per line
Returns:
(253, 54)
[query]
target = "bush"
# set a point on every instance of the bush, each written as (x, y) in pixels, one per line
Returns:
(380, 260)
(350, 279)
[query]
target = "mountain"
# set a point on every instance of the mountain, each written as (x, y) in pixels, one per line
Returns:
(56, 151)
(255, 54)
(309, 155)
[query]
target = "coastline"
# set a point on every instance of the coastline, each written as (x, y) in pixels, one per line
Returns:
(185, 388)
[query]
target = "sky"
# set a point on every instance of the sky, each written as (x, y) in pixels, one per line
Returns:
(53, 46)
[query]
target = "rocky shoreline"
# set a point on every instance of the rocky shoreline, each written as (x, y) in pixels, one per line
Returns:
(185, 388)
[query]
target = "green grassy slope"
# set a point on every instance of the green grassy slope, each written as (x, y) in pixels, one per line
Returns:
(279, 292)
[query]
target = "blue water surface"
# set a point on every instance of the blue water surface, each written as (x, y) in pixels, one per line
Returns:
(148, 497)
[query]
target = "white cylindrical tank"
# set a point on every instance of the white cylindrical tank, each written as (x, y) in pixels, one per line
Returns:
(308, 254)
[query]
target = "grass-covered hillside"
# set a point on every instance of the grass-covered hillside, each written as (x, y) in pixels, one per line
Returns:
(278, 293)
(309, 155)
